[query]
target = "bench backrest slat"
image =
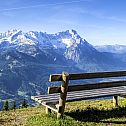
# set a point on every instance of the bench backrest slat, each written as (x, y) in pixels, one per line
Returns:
(58, 77)
(88, 86)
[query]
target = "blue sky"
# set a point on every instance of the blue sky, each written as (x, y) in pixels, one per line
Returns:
(98, 21)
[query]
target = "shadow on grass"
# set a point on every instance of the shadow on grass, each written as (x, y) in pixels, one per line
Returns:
(98, 115)
(2, 122)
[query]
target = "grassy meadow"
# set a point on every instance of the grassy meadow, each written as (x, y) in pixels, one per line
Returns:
(82, 113)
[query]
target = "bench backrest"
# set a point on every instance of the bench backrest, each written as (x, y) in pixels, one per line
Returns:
(60, 77)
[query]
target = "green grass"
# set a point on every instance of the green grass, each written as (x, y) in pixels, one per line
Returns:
(83, 113)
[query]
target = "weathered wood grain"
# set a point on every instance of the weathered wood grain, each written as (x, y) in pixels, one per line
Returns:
(58, 77)
(83, 95)
(63, 95)
(88, 86)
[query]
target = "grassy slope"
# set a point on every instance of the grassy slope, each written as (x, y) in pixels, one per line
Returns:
(83, 113)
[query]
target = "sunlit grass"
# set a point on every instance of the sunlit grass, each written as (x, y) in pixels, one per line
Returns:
(82, 113)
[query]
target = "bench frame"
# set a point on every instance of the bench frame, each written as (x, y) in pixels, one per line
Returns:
(64, 88)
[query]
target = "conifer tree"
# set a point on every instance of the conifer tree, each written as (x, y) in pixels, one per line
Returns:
(24, 104)
(6, 106)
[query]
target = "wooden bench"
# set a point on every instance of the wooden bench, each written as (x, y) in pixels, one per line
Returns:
(57, 96)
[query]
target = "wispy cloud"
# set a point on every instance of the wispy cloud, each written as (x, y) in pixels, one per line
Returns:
(8, 14)
(115, 18)
(44, 5)
(99, 14)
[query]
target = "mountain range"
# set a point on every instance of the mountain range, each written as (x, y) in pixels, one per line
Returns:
(111, 48)
(28, 58)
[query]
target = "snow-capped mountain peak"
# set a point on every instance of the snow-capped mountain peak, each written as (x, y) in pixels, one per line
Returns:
(68, 42)
(72, 32)
(61, 40)
(14, 35)
(10, 36)
(23, 40)
(70, 38)
(32, 34)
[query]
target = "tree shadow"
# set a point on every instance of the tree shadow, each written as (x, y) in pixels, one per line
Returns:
(98, 115)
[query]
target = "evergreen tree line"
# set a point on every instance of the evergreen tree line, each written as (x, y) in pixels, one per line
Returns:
(6, 106)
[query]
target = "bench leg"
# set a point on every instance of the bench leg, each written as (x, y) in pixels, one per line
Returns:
(115, 101)
(60, 112)
(59, 115)
(48, 110)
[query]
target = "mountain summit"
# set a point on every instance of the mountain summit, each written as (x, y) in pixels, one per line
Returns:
(62, 39)
(65, 46)
(68, 44)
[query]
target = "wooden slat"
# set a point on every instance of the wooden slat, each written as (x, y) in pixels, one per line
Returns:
(91, 97)
(58, 77)
(83, 95)
(85, 91)
(94, 93)
(47, 102)
(101, 90)
(88, 86)
(54, 102)
(97, 95)
(50, 96)
(80, 94)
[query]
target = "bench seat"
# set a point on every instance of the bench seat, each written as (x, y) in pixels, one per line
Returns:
(58, 95)
(52, 99)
